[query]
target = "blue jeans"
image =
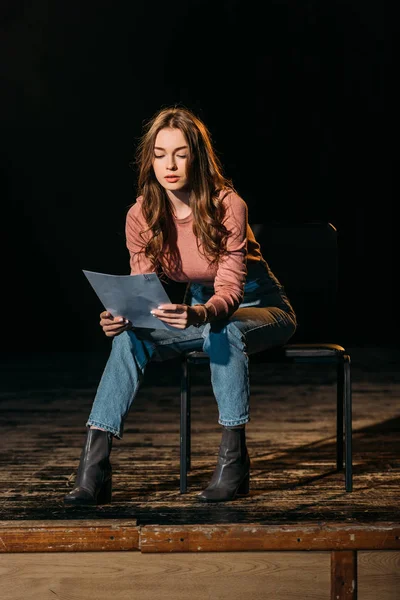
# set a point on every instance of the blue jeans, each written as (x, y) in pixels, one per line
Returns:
(265, 319)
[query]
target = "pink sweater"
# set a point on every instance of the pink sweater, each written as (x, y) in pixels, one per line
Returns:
(228, 278)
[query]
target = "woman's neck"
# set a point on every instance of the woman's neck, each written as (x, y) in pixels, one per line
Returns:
(180, 201)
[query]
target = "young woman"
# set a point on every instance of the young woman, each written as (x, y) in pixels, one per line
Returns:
(188, 223)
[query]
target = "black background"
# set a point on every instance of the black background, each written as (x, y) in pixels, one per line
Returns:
(292, 92)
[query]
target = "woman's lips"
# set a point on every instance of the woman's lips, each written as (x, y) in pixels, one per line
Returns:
(172, 178)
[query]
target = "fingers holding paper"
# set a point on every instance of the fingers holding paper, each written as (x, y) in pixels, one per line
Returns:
(177, 315)
(113, 326)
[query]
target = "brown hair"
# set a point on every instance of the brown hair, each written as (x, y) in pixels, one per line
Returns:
(205, 179)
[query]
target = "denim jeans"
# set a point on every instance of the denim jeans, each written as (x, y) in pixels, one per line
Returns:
(264, 319)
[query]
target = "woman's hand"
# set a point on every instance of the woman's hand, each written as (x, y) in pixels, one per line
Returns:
(180, 316)
(113, 326)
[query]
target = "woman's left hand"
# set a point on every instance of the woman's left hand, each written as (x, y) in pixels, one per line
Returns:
(180, 316)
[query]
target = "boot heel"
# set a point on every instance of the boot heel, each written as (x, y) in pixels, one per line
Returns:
(244, 487)
(105, 493)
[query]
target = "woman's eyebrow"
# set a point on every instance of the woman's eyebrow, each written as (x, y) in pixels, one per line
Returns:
(159, 148)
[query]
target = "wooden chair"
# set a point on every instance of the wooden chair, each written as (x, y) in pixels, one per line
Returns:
(304, 257)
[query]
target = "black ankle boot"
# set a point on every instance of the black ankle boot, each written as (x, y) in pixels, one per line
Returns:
(93, 483)
(232, 473)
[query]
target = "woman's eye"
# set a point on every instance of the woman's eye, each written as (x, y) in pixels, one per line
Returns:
(162, 155)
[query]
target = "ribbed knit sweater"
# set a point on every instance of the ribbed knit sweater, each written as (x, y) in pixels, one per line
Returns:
(228, 277)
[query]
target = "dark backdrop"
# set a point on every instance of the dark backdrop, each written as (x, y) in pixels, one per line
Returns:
(292, 92)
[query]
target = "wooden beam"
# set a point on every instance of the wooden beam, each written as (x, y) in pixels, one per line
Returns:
(343, 575)
(68, 536)
(121, 535)
(234, 537)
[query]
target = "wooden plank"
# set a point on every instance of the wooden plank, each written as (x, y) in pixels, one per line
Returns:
(217, 576)
(24, 523)
(378, 575)
(343, 575)
(122, 535)
(68, 536)
(302, 536)
(131, 575)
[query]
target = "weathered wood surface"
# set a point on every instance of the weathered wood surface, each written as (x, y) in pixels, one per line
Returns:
(303, 536)
(45, 400)
(344, 575)
(68, 536)
(122, 535)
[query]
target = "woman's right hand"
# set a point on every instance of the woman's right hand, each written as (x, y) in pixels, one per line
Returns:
(113, 326)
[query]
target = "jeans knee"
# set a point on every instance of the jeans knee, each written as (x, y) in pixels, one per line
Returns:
(121, 342)
(128, 345)
(222, 336)
(235, 336)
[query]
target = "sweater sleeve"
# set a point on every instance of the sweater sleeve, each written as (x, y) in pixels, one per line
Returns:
(135, 223)
(232, 268)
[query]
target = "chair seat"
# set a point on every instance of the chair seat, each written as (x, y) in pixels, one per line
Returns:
(313, 350)
(316, 350)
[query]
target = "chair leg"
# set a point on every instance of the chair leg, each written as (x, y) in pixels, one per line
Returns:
(188, 418)
(339, 414)
(185, 425)
(348, 425)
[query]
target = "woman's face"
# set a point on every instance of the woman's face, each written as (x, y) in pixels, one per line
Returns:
(171, 156)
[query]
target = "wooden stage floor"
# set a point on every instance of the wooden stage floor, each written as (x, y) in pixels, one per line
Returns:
(297, 500)
(45, 400)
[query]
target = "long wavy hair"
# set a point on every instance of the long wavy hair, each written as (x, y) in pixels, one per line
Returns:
(206, 182)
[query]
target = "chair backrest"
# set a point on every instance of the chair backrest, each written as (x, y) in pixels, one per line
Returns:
(304, 259)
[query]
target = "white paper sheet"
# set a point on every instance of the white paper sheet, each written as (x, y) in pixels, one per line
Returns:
(131, 296)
